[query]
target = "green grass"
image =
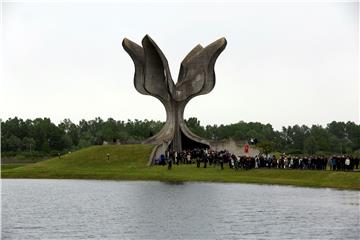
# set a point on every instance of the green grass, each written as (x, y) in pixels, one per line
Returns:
(11, 165)
(128, 162)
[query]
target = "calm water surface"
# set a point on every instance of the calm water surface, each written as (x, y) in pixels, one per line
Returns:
(77, 209)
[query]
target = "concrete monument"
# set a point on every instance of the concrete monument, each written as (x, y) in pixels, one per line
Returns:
(152, 77)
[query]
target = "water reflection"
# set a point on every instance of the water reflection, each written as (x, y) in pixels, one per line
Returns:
(68, 209)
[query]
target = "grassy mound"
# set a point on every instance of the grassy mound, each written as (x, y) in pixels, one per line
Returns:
(88, 163)
(128, 162)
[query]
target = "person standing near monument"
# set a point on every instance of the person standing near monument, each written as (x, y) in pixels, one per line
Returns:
(188, 157)
(170, 159)
(197, 157)
(205, 157)
(221, 159)
(356, 162)
(176, 158)
(347, 164)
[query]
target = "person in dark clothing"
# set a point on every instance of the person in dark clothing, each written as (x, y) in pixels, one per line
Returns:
(356, 162)
(221, 159)
(325, 162)
(246, 163)
(176, 158)
(170, 159)
(333, 163)
(242, 162)
(204, 158)
(162, 160)
(169, 164)
(210, 158)
(236, 162)
(197, 162)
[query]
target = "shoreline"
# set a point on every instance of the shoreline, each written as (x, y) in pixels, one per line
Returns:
(175, 180)
(128, 163)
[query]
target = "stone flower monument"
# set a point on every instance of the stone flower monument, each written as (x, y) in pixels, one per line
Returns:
(153, 77)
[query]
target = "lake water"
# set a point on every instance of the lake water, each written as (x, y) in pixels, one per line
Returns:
(83, 209)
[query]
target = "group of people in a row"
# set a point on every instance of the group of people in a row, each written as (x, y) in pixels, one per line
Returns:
(209, 157)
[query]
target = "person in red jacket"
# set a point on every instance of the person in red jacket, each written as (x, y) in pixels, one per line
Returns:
(246, 148)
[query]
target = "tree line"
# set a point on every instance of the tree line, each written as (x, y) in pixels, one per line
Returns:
(335, 138)
(43, 136)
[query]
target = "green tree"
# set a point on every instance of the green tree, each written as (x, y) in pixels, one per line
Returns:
(71, 130)
(337, 128)
(109, 130)
(13, 143)
(266, 146)
(28, 143)
(321, 137)
(194, 125)
(310, 145)
(353, 134)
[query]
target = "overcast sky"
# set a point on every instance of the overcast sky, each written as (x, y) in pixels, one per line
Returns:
(285, 63)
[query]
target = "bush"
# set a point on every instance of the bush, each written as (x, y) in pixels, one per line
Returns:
(356, 153)
(23, 156)
(323, 153)
(277, 154)
(293, 151)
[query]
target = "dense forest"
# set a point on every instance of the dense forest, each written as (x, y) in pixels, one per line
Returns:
(42, 137)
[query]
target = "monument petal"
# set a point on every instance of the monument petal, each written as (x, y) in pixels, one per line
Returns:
(136, 53)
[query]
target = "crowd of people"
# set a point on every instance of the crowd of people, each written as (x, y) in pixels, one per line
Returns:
(209, 157)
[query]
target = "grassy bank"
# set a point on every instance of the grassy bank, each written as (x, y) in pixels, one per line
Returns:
(11, 165)
(128, 162)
